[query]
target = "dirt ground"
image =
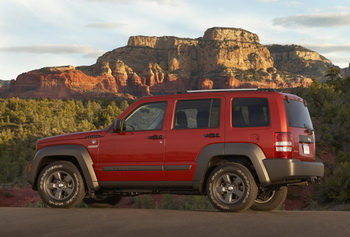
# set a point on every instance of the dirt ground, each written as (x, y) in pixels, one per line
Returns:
(18, 197)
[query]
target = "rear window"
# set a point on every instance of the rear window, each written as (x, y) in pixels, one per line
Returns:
(197, 114)
(298, 114)
(250, 112)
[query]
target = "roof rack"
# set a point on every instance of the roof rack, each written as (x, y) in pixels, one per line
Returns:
(232, 90)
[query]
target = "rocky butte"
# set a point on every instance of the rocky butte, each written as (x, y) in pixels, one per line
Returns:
(222, 58)
(3, 83)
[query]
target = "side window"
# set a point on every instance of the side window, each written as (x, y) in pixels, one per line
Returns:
(250, 112)
(146, 117)
(197, 114)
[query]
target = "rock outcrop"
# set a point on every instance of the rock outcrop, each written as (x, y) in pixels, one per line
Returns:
(299, 60)
(222, 58)
(59, 82)
(4, 83)
(345, 72)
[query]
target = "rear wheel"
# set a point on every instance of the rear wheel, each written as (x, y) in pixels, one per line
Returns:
(270, 199)
(60, 184)
(231, 187)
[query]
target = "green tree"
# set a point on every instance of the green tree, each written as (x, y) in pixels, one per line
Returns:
(23, 121)
(329, 105)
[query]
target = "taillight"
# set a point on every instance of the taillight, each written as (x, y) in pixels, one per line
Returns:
(283, 145)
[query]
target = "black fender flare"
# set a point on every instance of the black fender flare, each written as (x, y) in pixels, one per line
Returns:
(252, 151)
(79, 152)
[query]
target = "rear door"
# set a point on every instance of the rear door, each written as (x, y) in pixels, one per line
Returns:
(300, 125)
(250, 121)
(196, 124)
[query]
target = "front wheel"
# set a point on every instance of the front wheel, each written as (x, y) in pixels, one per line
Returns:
(60, 185)
(231, 187)
(270, 199)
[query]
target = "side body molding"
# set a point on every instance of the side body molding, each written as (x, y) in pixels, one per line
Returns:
(79, 152)
(251, 151)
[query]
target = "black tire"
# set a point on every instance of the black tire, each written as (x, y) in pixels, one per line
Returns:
(269, 200)
(231, 188)
(104, 202)
(60, 185)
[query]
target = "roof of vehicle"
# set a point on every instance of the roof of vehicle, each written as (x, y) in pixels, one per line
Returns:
(232, 90)
(288, 95)
(216, 92)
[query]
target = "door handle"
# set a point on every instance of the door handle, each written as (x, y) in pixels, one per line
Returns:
(156, 137)
(212, 135)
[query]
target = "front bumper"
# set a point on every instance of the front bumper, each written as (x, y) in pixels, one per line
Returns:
(293, 170)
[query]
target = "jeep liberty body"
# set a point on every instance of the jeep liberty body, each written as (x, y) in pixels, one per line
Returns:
(241, 148)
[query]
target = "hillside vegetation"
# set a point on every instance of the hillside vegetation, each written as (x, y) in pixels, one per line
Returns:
(329, 106)
(22, 122)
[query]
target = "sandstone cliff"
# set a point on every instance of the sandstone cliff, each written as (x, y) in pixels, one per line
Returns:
(346, 72)
(3, 83)
(299, 60)
(58, 82)
(222, 58)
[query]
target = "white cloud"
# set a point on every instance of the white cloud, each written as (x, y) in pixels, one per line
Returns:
(52, 49)
(268, 0)
(342, 8)
(160, 2)
(106, 25)
(327, 48)
(333, 19)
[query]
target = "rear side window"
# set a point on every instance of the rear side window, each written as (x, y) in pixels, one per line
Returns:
(197, 114)
(250, 112)
(298, 114)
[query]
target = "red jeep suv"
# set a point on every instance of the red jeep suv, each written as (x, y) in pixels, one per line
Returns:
(241, 148)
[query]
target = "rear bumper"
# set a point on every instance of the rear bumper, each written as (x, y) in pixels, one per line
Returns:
(293, 170)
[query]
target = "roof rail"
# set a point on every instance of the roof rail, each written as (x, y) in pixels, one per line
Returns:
(232, 90)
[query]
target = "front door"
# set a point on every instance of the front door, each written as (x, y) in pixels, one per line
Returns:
(137, 153)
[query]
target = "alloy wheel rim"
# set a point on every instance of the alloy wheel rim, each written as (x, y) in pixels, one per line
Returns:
(229, 188)
(265, 196)
(60, 185)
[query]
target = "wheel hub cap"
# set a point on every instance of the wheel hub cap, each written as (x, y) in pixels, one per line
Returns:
(231, 188)
(61, 185)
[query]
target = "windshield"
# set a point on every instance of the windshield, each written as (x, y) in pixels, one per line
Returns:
(298, 114)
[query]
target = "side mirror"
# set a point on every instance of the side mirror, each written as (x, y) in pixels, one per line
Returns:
(118, 126)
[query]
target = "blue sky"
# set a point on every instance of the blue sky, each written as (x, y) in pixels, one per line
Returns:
(40, 33)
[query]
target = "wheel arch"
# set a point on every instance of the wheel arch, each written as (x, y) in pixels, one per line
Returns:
(76, 154)
(247, 154)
